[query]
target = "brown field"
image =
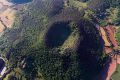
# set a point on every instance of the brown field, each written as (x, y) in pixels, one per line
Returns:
(7, 16)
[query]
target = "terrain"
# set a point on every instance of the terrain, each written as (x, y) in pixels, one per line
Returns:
(60, 39)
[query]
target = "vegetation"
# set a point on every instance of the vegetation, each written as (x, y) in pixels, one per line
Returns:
(78, 4)
(76, 56)
(103, 23)
(116, 74)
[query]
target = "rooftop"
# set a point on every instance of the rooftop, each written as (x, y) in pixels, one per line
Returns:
(2, 64)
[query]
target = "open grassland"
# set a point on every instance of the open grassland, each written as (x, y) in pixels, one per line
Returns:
(117, 35)
(78, 4)
(116, 75)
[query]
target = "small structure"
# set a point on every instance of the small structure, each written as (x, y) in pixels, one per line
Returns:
(2, 66)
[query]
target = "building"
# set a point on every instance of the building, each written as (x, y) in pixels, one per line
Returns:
(2, 66)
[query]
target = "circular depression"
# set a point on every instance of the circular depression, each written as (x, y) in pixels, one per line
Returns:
(57, 34)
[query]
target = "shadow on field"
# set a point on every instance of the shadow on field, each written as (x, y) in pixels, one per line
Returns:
(89, 49)
(57, 34)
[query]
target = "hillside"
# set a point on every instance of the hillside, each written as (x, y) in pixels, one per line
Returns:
(57, 40)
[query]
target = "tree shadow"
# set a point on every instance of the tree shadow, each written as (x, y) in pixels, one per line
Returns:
(89, 50)
(57, 34)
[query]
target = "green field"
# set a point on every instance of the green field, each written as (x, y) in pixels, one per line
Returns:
(116, 75)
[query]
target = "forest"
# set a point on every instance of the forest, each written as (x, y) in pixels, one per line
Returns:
(55, 40)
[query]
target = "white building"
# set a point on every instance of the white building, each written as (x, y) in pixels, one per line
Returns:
(2, 66)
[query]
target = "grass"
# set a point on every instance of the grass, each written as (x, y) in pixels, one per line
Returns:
(117, 35)
(113, 13)
(71, 41)
(116, 75)
(78, 4)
